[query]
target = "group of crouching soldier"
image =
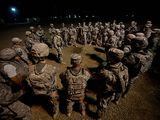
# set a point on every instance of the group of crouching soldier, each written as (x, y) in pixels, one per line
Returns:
(129, 53)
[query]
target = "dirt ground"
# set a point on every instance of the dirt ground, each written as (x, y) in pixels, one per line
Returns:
(140, 104)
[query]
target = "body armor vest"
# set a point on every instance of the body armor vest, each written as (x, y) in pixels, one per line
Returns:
(76, 84)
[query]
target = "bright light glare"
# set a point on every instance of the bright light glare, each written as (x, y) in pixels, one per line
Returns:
(13, 9)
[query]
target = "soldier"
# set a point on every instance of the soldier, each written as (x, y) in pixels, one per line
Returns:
(65, 34)
(52, 31)
(154, 40)
(89, 33)
(148, 29)
(95, 35)
(113, 25)
(42, 78)
(105, 37)
(13, 73)
(40, 33)
(34, 35)
(28, 41)
(132, 28)
(112, 40)
(79, 33)
(20, 50)
(58, 45)
(74, 80)
(72, 36)
(114, 79)
(127, 43)
(138, 60)
(85, 31)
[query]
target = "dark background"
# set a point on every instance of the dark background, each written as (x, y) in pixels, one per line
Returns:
(101, 10)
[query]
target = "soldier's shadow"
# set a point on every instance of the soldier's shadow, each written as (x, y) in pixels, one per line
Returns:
(98, 49)
(53, 56)
(96, 58)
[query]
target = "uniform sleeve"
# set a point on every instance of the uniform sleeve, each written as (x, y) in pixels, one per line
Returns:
(7, 96)
(87, 75)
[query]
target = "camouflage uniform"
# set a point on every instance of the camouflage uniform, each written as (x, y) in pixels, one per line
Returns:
(138, 60)
(154, 40)
(79, 33)
(75, 83)
(29, 41)
(114, 79)
(133, 28)
(65, 34)
(127, 43)
(89, 33)
(58, 45)
(148, 29)
(40, 33)
(42, 78)
(85, 31)
(72, 36)
(34, 35)
(20, 50)
(52, 31)
(95, 35)
(13, 73)
(112, 40)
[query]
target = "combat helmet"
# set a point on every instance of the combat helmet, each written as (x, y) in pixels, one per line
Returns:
(28, 33)
(76, 58)
(40, 50)
(7, 54)
(115, 54)
(16, 40)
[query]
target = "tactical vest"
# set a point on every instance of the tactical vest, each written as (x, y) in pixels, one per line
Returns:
(14, 71)
(76, 84)
(42, 82)
(121, 73)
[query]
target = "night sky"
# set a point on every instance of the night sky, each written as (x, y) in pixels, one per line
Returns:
(110, 8)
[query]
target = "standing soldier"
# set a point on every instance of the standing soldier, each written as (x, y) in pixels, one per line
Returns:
(118, 35)
(85, 31)
(114, 80)
(154, 41)
(74, 80)
(34, 35)
(29, 41)
(138, 60)
(79, 33)
(13, 73)
(95, 35)
(89, 33)
(20, 49)
(40, 33)
(112, 40)
(113, 25)
(72, 36)
(42, 77)
(58, 45)
(148, 29)
(65, 34)
(132, 28)
(52, 31)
